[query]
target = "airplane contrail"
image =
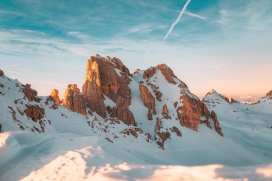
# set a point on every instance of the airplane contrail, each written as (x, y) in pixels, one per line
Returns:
(177, 20)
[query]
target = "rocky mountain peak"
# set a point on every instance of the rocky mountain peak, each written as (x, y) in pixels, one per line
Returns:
(55, 96)
(269, 94)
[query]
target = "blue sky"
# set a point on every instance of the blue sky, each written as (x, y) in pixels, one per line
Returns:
(220, 44)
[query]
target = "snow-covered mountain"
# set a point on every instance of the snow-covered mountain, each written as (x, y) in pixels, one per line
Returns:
(246, 99)
(126, 123)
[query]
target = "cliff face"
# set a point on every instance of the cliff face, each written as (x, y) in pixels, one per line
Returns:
(108, 76)
(74, 100)
(55, 96)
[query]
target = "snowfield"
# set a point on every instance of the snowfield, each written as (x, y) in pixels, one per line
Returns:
(64, 156)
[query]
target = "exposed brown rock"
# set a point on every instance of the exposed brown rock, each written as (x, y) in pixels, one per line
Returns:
(20, 111)
(92, 91)
(158, 125)
(49, 99)
(148, 99)
(55, 95)
(149, 72)
(175, 104)
(74, 100)
(216, 123)
(101, 78)
(148, 137)
(123, 112)
(128, 131)
(0, 128)
(30, 93)
(119, 64)
(191, 112)
(167, 72)
(34, 112)
(109, 139)
(13, 114)
(1, 73)
(113, 113)
(112, 85)
(156, 91)
(158, 95)
(176, 130)
(165, 112)
(269, 94)
(163, 136)
(149, 115)
(205, 111)
(182, 85)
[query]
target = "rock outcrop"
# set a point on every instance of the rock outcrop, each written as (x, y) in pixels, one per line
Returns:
(148, 99)
(74, 100)
(30, 94)
(156, 91)
(216, 123)
(168, 73)
(176, 130)
(55, 95)
(34, 112)
(149, 115)
(165, 112)
(123, 113)
(269, 94)
(108, 76)
(149, 72)
(1, 73)
(190, 113)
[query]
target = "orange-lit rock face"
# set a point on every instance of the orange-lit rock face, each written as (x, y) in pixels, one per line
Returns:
(102, 78)
(190, 113)
(93, 93)
(55, 95)
(216, 123)
(167, 72)
(148, 99)
(74, 100)
(149, 72)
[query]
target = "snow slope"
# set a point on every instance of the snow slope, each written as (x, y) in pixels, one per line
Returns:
(66, 156)
(250, 125)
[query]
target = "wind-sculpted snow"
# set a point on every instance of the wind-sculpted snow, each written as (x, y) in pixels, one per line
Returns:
(28, 156)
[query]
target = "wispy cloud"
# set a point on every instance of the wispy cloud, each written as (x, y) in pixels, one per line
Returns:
(195, 15)
(177, 20)
(18, 73)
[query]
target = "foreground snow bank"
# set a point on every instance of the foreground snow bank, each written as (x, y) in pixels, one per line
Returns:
(64, 156)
